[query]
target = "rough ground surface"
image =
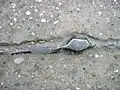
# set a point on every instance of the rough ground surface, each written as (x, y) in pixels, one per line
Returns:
(47, 22)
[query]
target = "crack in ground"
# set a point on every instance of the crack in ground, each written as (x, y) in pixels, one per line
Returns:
(40, 41)
(97, 41)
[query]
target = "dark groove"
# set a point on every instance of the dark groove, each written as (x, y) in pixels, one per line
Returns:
(21, 52)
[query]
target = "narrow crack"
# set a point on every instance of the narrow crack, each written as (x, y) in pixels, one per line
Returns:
(95, 42)
(24, 42)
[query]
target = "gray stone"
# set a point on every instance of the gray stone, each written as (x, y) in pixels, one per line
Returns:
(77, 44)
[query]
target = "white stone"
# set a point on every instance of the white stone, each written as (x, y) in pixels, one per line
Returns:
(96, 56)
(50, 66)
(19, 75)
(18, 26)
(32, 43)
(18, 60)
(28, 13)
(2, 83)
(43, 11)
(77, 88)
(13, 5)
(68, 89)
(11, 24)
(56, 22)
(51, 16)
(30, 17)
(101, 5)
(57, 8)
(116, 71)
(38, 0)
(99, 13)
(41, 14)
(35, 10)
(33, 33)
(78, 9)
(43, 20)
(60, 4)
(101, 34)
(15, 19)
(62, 80)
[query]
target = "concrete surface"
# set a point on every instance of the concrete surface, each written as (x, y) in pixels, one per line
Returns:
(47, 22)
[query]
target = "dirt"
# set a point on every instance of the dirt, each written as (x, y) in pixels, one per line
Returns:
(25, 23)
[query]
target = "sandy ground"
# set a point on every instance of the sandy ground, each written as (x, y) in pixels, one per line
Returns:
(25, 23)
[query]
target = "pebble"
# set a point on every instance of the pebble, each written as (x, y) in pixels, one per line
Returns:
(77, 44)
(43, 20)
(60, 4)
(18, 60)
(38, 0)
(96, 56)
(15, 19)
(116, 71)
(28, 13)
(2, 83)
(99, 13)
(56, 22)
(19, 75)
(101, 5)
(51, 15)
(13, 5)
(35, 10)
(57, 8)
(77, 88)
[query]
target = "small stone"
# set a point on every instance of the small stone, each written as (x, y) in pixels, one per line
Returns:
(32, 42)
(101, 34)
(116, 71)
(101, 5)
(18, 60)
(60, 4)
(96, 56)
(43, 20)
(33, 33)
(62, 80)
(2, 83)
(43, 11)
(30, 18)
(11, 24)
(77, 88)
(19, 75)
(35, 10)
(77, 44)
(18, 26)
(78, 9)
(50, 66)
(41, 14)
(38, 0)
(28, 13)
(51, 16)
(13, 5)
(88, 86)
(112, 77)
(68, 89)
(15, 19)
(57, 8)
(56, 22)
(99, 13)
